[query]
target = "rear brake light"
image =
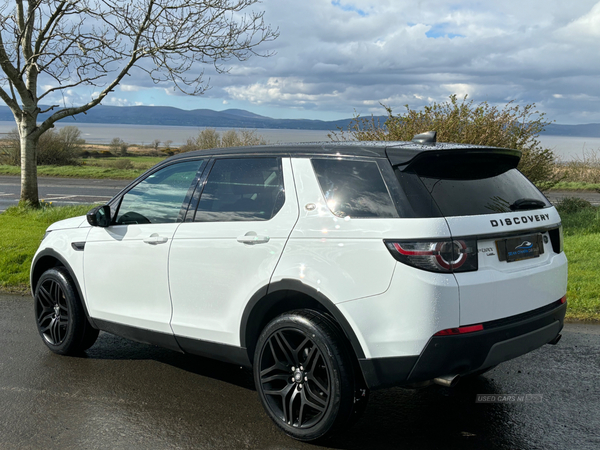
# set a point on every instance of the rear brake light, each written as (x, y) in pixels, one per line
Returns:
(436, 256)
(459, 330)
(556, 237)
(563, 300)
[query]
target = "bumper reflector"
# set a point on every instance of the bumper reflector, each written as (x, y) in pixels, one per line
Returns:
(459, 330)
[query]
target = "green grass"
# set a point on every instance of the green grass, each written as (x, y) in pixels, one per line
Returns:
(95, 168)
(22, 230)
(583, 291)
(576, 186)
(78, 172)
(138, 162)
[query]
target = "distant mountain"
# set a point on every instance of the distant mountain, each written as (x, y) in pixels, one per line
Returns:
(165, 115)
(584, 130)
(239, 118)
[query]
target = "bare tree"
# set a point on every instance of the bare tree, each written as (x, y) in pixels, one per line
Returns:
(119, 146)
(51, 46)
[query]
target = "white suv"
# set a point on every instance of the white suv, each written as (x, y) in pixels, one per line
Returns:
(332, 269)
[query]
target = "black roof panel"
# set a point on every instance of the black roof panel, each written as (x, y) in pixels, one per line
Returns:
(398, 152)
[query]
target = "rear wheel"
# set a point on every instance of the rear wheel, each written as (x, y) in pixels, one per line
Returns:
(60, 317)
(305, 377)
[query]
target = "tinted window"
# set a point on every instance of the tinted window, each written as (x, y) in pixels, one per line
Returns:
(242, 189)
(494, 194)
(159, 197)
(354, 188)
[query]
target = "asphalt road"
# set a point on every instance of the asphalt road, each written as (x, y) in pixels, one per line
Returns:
(125, 395)
(61, 191)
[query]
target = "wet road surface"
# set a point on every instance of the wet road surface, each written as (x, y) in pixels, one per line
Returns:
(125, 395)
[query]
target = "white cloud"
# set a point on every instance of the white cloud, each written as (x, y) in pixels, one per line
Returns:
(334, 57)
(129, 88)
(586, 26)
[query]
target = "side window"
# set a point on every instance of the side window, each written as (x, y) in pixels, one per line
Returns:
(242, 189)
(158, 198)
(354, 188)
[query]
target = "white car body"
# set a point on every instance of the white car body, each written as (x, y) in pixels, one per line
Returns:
(209, 287)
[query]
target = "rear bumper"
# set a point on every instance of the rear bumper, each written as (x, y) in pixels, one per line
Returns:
(499, 341)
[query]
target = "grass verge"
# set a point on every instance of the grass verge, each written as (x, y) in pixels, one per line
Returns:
(78, 172)
(22, 231)
(575, 186)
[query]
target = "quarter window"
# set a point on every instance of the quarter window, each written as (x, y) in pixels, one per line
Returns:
(159, 197)
(354, 188)
(242, 189)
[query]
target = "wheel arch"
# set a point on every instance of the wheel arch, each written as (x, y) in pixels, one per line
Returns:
(287, 295)
(47, 259)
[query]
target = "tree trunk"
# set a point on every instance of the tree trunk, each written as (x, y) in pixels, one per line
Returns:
(29, 142)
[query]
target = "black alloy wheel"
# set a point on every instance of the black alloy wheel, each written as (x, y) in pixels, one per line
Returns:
(295, 378)
(60, 317)
(52, 311)
(304, 375)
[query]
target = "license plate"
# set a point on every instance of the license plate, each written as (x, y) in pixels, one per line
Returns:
(519, 248)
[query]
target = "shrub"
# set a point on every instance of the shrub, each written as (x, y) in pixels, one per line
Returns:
(120, 164)
(10, 149)
(571, 205)
(583, 169)
(60, 148)
(208, 138)
(211, 138)
(465, 122)
(119, 146)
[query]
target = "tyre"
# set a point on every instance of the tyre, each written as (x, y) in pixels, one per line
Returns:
(60, 317)
(304, 374)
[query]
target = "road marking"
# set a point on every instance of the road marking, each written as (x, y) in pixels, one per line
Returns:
(62, 196)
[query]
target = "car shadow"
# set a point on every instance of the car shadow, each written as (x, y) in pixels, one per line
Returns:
(113, 347)
(429, 418)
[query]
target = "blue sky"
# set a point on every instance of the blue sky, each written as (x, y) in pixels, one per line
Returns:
(337, 57)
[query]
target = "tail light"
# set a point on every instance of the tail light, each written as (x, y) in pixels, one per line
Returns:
(454, 255)
(556, 237)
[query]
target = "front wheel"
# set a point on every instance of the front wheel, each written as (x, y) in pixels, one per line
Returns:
(304, 375)
(60, 317)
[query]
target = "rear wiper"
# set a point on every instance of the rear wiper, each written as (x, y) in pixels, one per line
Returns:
(527, 203)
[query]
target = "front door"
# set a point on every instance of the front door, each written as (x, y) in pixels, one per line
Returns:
(125, 264)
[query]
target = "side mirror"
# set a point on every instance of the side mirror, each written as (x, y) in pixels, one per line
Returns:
(99, 216)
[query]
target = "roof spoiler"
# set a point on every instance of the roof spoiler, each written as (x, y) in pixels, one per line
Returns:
(459, 161)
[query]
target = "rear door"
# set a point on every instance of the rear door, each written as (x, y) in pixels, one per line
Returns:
(230, 247)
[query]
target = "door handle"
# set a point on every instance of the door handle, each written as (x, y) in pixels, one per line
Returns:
(155, 239)
(252, 238)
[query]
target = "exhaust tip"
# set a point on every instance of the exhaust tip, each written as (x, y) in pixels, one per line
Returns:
(447, 380)
(555, 340)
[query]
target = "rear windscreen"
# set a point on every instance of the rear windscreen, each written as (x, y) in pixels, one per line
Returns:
(479, 194)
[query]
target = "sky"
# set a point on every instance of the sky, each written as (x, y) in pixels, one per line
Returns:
(335, 58)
